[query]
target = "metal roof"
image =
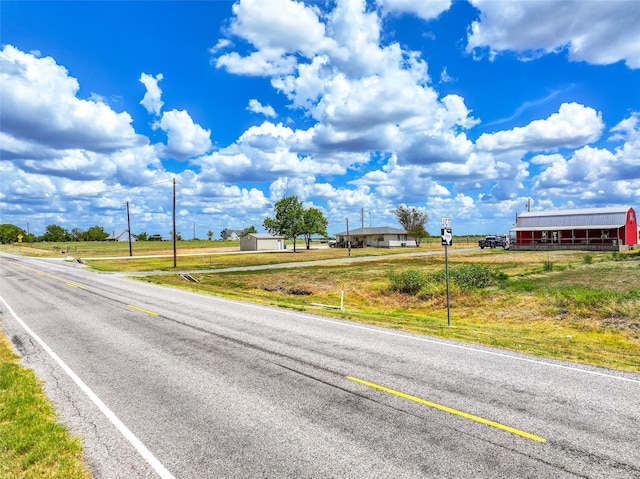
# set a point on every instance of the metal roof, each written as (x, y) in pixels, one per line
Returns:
(589, 218)
(376, 230)
(264, 236)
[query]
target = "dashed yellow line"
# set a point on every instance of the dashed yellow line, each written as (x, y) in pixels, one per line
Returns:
(449, 410)
(143, 310)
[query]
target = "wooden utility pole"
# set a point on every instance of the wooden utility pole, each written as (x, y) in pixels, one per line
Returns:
(348, 238)
(174, 223)
(129, 230)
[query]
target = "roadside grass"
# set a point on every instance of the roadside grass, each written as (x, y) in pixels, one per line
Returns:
(115, 248)
(231, 259)
(32, 444)
(206, 251)
(579, 311)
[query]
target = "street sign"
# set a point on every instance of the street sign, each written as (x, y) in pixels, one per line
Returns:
(446, 233)
(447, 240)
(20, 238)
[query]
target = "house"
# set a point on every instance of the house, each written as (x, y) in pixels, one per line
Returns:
(121, 235)
(378, 237)
(231, 234)
(261, 242)
(592, 229)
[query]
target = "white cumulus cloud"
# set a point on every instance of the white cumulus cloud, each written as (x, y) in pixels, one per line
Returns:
(186, 139)
(257, 107)
(152, 98)
(426, 9)
(597, 32)
(40, 109)
(572, 126)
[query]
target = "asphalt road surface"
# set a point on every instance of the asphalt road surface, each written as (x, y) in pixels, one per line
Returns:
(166, 383)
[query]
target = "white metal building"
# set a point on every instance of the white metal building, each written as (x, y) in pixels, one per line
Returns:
(377, 237)
(261, 242)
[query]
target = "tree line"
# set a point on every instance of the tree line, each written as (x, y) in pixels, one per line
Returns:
(9, 234)
(291, 220)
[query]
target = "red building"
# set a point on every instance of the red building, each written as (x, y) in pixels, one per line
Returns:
(596, 229)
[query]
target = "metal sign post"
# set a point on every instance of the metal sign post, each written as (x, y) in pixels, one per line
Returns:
(447, 240)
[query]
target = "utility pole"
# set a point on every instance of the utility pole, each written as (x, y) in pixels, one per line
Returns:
(348, 238)
(174, 223)
(129, 230)
(362, 218)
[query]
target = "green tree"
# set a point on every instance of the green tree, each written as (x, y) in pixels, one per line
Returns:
(413, 220)
(314, 223)
(76, 234)
(209, 234)
(55, 233)
(249, 230)
(143, 236)
(9, 233)
(288, 220)
(95, 233)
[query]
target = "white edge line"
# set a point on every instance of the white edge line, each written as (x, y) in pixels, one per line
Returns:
(406, 335)
(124, 430)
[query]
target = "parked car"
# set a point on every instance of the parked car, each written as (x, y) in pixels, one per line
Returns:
(331, 243)
(494, 241)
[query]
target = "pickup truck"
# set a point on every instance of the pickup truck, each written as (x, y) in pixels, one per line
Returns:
(493, 242)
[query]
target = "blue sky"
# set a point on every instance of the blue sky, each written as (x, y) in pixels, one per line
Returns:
(461, 108)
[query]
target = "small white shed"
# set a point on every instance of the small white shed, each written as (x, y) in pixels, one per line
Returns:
(261, 242)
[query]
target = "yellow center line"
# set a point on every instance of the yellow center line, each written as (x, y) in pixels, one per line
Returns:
(143, 310)
(449, 410)
(42, 273)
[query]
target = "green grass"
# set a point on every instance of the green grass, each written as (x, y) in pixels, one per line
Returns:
(32, 443)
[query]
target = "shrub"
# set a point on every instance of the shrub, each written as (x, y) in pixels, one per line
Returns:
(464, 277)
(410, 281)
(547, 266)
(500, 276)
(588, 259)
(472, 275)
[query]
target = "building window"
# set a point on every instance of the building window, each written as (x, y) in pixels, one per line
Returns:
(604, 234)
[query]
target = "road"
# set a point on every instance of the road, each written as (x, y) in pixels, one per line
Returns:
(166, 383)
